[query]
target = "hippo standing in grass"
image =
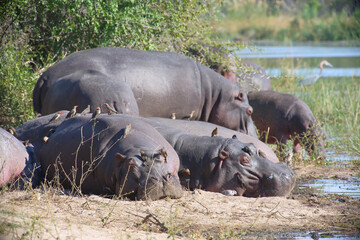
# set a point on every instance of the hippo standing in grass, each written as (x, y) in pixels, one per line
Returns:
(220, 164)
(17, 162)
(284, 116)
(112, 154)
(204, 129)
(162, 83)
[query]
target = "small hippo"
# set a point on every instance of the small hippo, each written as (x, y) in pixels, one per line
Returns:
(204, 129)
(17, 162)
(112, 154)
(218, 164)
(161, 82)
(286, 116)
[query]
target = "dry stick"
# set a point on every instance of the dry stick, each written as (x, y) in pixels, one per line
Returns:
(147, 218)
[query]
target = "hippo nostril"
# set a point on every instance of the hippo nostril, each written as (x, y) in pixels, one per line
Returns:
(249, 111)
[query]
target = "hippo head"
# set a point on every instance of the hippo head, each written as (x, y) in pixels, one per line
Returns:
(235, 114)
(313, 140)
(145, 175)
(242, 169)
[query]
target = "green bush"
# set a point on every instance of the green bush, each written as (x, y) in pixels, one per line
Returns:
(48, 30)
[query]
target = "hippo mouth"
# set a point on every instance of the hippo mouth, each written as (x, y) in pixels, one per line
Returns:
(248, 183)
(244, 124)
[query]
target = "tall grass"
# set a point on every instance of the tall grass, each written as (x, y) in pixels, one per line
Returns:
(272, 21)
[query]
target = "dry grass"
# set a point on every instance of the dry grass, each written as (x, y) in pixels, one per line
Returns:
(49, 213)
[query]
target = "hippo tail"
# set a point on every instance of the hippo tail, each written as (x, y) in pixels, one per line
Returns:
(37, 94)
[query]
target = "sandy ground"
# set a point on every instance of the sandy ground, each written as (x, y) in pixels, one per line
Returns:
(46, 214)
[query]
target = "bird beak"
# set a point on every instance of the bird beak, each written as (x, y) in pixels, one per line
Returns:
(329, 64)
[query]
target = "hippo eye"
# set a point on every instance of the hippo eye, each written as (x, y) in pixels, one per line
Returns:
(247, 150)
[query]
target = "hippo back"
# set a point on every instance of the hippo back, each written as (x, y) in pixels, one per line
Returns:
(205, 129)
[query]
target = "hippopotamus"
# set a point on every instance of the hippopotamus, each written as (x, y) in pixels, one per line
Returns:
(162, 83)
(112, 154)
(219, 164)
(204, 129)
(17, 162)
(285, 116)
(90, 87)
(34, 131)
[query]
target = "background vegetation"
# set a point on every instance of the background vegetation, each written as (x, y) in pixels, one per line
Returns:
(292, 20)
(36, 33)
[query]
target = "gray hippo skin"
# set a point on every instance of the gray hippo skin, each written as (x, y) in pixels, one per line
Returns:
(204, 129)
(105, 153)
(92, 88)
(218, 164)
(286, 115)
(162, 83)
(17, 162)
(35, 130)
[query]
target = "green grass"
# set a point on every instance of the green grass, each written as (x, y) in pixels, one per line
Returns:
(305, 22)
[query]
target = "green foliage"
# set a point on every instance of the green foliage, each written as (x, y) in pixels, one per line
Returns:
(311, 9)
(16, 86)
(310, 20)
(36, 33)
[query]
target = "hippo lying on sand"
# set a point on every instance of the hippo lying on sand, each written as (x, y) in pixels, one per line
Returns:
(287, 116)
(162, 83)
(218, 164)
(204, 129)
(112, 154)
(17, 162)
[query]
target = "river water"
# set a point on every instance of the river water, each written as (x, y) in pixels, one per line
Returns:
(304, 59)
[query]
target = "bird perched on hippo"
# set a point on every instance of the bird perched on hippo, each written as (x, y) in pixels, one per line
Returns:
(103, 157)
(219, 164)
(160, 83)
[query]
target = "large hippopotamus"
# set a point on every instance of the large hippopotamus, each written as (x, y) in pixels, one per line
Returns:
(284, 116)
(90, 87)
(111, 154)
(220, 164)
(17, 162)
(37, 130)
(205, 129)
(162, 83)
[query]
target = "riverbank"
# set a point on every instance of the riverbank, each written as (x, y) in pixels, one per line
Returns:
(197, 215)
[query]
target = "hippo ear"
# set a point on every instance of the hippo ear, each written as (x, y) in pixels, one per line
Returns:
(223, 155)
(120, 159)
(240, 96)
(234, 137)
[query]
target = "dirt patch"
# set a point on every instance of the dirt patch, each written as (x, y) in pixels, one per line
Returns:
(197, 215)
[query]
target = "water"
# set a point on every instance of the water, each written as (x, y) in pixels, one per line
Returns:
(331, 235)
(303, 60)
(349, 187)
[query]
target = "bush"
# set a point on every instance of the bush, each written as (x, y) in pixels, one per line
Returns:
(49, 30)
